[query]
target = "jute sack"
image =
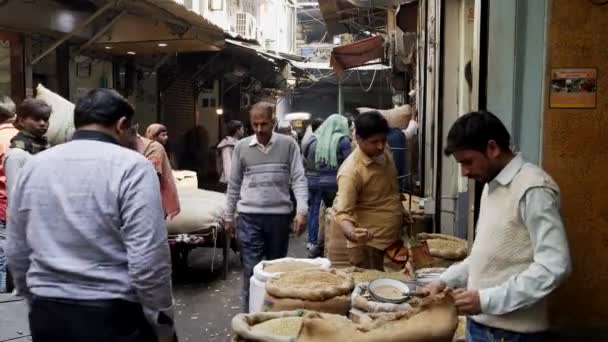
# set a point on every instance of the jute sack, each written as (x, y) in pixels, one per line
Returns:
(242, 326)
(200, 210)
(318, 290)
(335, 241)
(338, 305)
(398, 117)
(61, 122)
(358, 301)
(432, 320)
(445, 246)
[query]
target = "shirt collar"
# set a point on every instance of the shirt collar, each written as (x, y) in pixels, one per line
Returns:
(507, 174)
(367, 161)
(254, 140)
(84, 134)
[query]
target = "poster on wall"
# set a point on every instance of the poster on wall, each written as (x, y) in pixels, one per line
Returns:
(573, 88)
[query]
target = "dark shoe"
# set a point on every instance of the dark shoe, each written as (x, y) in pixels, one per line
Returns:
(315, 251)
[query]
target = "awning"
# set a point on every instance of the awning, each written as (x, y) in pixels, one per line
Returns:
(279, 59)
(157, 27)
(357, 54)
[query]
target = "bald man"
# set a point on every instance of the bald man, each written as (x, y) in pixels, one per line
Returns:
(265, 167)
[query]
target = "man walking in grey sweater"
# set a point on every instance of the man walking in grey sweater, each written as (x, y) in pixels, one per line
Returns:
(264, 168)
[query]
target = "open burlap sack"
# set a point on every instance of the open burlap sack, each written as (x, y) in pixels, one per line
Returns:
(310, 284)
(338, 305)
(445, 246)
(433, 320)
(242, 325)
(361, 302)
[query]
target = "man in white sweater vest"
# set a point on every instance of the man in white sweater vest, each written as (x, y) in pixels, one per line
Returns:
(520, 254)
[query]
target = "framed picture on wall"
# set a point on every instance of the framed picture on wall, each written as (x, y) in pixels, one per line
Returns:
(573, 88)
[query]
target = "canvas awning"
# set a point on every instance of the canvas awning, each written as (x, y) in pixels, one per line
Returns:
(357, 54)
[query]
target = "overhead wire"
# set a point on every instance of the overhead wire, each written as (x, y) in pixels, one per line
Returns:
(371, 83)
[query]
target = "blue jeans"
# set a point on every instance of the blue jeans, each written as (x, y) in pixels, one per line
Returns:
(480, 333)
(261, 236)
(314, 207)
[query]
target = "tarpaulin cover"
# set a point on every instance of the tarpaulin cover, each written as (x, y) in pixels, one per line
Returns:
(356, 54)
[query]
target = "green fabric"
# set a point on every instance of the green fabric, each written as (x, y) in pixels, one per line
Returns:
(334, 128)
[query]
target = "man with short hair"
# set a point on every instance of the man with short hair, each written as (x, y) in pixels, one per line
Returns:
(265, 167)
(368, 206)
(520, 254)
(7, 132)
(87, 241)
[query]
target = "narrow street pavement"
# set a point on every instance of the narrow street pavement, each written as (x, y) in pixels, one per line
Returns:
(204, 303)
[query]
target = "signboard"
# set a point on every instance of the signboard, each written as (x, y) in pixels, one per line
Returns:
(573, 88)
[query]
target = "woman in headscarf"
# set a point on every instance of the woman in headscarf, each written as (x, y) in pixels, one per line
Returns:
(154, 151)
(331, 147)
(157, 132)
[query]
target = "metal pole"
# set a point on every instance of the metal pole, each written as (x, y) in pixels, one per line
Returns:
(79, 28)
(340, 97)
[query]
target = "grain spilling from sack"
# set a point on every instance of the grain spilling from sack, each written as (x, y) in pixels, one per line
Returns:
(308, 280)
(285, 326)
(289, 266)
(388, 292)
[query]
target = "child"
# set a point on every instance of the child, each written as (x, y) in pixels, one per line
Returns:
(32, 121)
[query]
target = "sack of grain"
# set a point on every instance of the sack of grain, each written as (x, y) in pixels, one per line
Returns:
(200, 210)
(363, 276)
(319, 290)
(398, 117)
(267, 326)
(269, 268)
(358, 300)
(185, 179)
(61, 122)
(338, 305)
(445, 246)
(335, 242)
(430, 319)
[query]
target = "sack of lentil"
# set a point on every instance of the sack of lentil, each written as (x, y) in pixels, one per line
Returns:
(319, 290)
(445, 246)
(267, 326)
(430, 319)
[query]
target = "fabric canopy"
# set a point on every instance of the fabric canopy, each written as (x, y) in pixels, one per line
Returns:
(356, 54)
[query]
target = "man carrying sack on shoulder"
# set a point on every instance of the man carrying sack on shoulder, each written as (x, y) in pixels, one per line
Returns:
(368, 208)
(520, 254)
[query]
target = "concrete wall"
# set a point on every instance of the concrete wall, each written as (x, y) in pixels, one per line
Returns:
(574, 153)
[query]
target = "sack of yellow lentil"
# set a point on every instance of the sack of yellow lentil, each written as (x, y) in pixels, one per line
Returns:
(313, 289)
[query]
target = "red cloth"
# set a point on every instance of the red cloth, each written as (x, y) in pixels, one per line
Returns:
(7, 132)
(356, 54)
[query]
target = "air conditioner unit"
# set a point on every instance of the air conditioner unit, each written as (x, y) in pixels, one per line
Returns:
(245, 25)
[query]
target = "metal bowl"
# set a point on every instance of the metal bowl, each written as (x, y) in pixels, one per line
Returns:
(403, 287)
